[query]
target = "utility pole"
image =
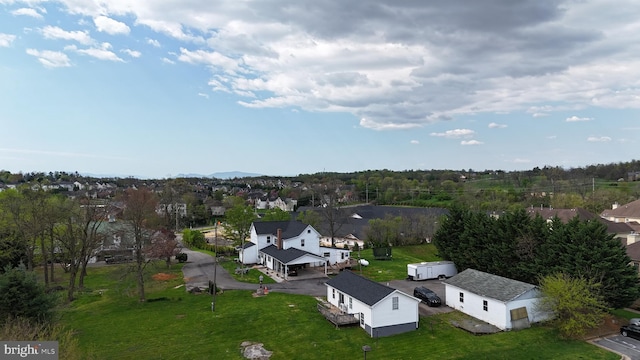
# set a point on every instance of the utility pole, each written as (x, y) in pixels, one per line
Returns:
(215, 268)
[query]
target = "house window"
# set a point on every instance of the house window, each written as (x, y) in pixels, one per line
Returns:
(361, 318)
(485, 305)
(333, 291)
(342, 256)
(327, 255)
(350, 303)
(394, 301)
(268, 239)
(308, 231)
(302, 242)
(461, 297)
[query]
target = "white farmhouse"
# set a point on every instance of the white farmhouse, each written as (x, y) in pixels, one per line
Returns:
(381, 310)
(505, 303)
(287, 247)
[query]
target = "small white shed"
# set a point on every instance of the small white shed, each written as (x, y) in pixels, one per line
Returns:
(505, 303)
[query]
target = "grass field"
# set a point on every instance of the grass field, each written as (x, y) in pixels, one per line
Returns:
(110, 323)
(396, 268)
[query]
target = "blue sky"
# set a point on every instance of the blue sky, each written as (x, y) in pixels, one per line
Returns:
(157, 88)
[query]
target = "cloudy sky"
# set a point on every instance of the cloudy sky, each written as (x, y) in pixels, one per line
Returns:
(156, 88)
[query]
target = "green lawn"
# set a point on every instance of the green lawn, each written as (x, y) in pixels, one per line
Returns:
(111, 324)
(396, 268)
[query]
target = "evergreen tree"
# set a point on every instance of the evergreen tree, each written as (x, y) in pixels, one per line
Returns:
(21, 295)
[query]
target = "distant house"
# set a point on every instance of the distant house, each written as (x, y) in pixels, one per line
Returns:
(623, 213)
(352, 227)
(289, 246)
(548, 213)
(505, 303)
(381, 310)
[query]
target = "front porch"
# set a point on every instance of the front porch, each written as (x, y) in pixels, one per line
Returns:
(335, 315)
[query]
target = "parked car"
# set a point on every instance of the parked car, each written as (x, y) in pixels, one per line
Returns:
(631, 330)
(427, 296)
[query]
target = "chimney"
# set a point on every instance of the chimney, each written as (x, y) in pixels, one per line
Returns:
(279, 240)
(614, 206)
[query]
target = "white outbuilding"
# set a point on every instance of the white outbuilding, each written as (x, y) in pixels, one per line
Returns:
(381, 310)
(505, 303)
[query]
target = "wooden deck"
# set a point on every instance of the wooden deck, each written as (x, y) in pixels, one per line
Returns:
(335, 315)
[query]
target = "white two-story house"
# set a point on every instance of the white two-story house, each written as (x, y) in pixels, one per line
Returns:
(288, 246)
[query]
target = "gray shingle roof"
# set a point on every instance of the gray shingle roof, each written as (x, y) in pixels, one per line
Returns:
(489, 285)
(356, 218)
(360, 288)
(287, 255)
(289, 228)
(631, 209)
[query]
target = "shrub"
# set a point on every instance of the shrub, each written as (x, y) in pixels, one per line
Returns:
(22, 296)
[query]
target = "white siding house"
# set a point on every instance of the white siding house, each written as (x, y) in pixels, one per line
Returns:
(381, 310)
(287, 246)
(505, 303)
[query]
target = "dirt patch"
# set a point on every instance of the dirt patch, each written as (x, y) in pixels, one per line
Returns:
(610, 325)
(163, 276)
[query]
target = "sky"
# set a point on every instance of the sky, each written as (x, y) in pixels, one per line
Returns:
(160, 88)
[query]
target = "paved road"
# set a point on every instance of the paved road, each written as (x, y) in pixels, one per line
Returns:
(628, 347)
(199, 269)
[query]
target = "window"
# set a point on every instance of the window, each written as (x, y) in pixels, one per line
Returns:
(268, 239)
(485, 305)
(361, 318)
(302, 242)
(342, 256)
(461, 297)
(394, 301)
(308, 231)
(333, 293)
(350, 303)
(327, 254)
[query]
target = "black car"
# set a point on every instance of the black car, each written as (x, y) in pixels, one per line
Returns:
(631, 330)
(427, 296)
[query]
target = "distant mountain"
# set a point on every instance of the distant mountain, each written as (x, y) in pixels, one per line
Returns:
(221, 175)
(233, 174)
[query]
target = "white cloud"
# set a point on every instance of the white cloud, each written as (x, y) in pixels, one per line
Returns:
(206, 96)
(497, 126)
(50, 59)
(27, 12)
(153, 42)
(471, 142)
(54, 32)
(455, 134)
(398, 64)
(6, 39)
(168, 61)
(101, 52)
(415, 142)
(132, 53)
(598, 139)
(110, 26)
(575, 118)
(520, 161)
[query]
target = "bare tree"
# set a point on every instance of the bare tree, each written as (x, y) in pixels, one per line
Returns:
(333, 215)
(140, 214)
(164, 245)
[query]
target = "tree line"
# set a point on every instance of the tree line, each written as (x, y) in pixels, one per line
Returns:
(520, 247)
